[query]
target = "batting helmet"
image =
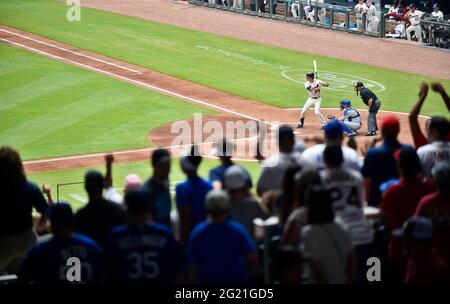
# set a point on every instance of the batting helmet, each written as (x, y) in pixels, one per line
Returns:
(310, 74)
(345, 102)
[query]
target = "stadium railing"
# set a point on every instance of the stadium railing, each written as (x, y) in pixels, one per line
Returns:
(337, 17)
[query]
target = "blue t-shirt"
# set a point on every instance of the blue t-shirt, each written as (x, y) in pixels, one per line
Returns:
(148, 254)
(162, 201)
(191, 193)
(380, 166)
(47, 262)
(218, 250)
(218, 173)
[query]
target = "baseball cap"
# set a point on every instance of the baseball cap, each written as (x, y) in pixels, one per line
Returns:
(217, 201)
(138, 202)
(191, 159)
(310, 74)
(285, 132)
(416, 228)
(390, 124)
(235, 178)
(60, 214)
(333, 129)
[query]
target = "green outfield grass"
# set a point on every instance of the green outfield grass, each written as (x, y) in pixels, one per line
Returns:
(49, 108)
(75, 194)
(239, 67)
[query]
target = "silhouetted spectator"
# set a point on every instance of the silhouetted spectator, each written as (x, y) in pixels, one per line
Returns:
(334, 134)
(379, 163)
(190, 195)
(49, 262)
(244, 206)
(346, 188)
(274, 168)
(224, 150)
(99, 215)
(158, 186)
(220, 250)
(400, 202)
(325, 244)
(288, 264)
(298, 218)
(142, 251)
(132, 182)
(424, 265)
(436, 206)
(439, 147)
(19, 196)
(418, 137)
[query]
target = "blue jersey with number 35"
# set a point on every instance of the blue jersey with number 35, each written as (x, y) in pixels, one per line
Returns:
(147, 254)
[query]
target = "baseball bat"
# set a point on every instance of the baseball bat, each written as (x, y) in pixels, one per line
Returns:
(315, 67)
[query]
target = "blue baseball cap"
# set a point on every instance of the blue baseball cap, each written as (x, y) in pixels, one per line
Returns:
(333, 129)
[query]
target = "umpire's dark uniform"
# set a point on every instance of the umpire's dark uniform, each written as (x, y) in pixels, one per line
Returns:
(366, 95)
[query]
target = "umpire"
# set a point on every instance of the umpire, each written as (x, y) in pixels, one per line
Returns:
(374, 104)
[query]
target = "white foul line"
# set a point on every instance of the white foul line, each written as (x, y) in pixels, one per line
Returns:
(381, 111)
(76, 53)
(48, 160)
(152, 87)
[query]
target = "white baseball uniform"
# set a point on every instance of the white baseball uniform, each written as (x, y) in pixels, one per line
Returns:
(438, 15)
(352, 119)
(346, 188)
(372, 19)
(360, 10)
(321, 13)
(314, 98)
(414, 19)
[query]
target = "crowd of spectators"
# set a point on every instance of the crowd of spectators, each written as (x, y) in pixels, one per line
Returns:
(308, 222)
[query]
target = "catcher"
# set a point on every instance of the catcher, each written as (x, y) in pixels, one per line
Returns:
(350, 119)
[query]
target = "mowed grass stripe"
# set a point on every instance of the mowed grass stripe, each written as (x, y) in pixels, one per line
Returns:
(238, 67)
(57, 109)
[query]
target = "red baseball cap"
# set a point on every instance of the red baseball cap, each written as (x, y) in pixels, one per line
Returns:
(390, 124)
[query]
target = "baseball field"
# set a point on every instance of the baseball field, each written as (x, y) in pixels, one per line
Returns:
(73, 91)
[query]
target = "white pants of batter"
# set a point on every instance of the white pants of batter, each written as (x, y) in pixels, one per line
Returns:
(316, 103)
(416, 29)
(236, 3)
(372, 26)
(352, 125)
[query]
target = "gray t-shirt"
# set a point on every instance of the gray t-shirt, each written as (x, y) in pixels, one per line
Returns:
(328, 244)
(245, 211)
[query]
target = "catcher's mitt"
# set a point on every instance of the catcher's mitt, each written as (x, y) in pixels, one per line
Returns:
(331, 116)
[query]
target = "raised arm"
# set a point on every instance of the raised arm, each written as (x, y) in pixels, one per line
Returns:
(109, 159)
(437, 87)
(413, 123)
